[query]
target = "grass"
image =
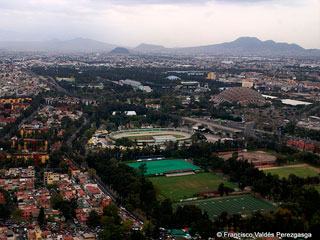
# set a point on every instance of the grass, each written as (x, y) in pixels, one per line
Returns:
(317, 188)
(150, 137)
(161, 166)
(240, 204)
(302, 172)
(180, 187)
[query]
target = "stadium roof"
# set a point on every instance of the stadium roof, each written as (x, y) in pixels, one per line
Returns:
(241, 95)
(294, 102)
(173, 78)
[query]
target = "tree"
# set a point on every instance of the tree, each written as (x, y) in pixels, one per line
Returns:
(92, 172)
(111, 211)
(4, 211)
(52, 186)
(126, 142)
(142, 169)
(18, 215)
(227, 190)
(148, 228)
(222, 219)
(197, 136)
(56, 201)
(221, 189)
(93, 219)
(136, 235)
(68, 209)
(112, 232)
(41, 217)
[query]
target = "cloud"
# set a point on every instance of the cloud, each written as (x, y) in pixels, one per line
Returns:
(60, 4)
(165, 22)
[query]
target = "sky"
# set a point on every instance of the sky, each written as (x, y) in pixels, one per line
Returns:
(172, 23)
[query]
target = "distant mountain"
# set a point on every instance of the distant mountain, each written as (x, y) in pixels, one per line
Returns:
(6, 35)
(120, 50)
(74, 45)
(246, 46)
(144, 47)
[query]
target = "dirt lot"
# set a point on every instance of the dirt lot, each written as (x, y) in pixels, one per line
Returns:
(253, 156)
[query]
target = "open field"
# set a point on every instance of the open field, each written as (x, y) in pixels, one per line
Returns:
(186, 186)
(254, 156)
(302, 171)
(317, 188)
(160, 166)
(240, 204)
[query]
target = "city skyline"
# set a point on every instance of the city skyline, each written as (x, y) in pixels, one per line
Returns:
(177, 23)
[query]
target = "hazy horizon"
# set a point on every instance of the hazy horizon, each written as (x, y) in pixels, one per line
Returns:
(171, 23)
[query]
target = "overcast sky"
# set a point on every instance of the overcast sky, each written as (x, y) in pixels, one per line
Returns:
(170, 23)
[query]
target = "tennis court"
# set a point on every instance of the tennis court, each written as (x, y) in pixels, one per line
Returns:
(240, 204)
(157, 167)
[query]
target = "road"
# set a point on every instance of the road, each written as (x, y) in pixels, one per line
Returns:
(109, 193)
(70, 140)
(50, 81)
(29, 118)
(7, 136)
(213, 125)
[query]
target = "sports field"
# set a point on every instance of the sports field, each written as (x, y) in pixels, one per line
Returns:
(156, 167)
(240, 204)
(181, 187)
(317, 188)
(150, 137)
(145, 134)
(299, 171)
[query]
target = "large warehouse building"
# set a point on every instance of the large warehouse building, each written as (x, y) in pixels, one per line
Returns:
(241, 95)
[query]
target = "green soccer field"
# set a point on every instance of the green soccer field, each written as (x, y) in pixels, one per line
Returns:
(160, 166)
(240, 204)
(302, 172)
(180, 187)
(317, 188)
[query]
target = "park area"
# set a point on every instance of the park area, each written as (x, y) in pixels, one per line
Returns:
(161, 166)
(301, 170)
(241, 204)
(181, 187)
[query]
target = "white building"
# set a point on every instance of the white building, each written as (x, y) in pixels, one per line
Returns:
(130, 113)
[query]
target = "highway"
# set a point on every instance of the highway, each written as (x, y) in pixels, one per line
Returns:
(213, 125)
(50, 81)
(70, 140)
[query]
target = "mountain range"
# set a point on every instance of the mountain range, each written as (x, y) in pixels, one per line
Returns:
(73, 45)
(243, 46)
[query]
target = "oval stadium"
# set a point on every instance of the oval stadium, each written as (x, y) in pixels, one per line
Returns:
(153, 136)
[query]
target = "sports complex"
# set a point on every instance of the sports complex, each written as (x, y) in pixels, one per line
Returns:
(152, 136)
(187, 184)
